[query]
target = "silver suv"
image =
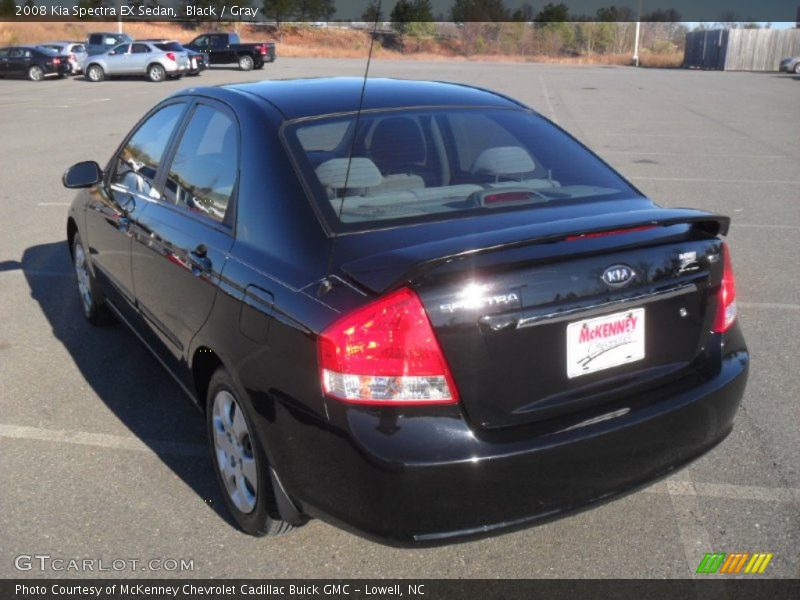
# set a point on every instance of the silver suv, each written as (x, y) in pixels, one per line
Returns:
(155, 61)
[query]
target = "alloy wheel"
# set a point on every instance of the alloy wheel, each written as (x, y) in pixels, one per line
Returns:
(84, 279)
(233, 449)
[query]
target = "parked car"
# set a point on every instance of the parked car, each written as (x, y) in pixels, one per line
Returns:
(226, 48)
(33, 62)
(102, 41)
(139, 58)
(791, 64)
(74, 51)
(197, 60)
(439, 316)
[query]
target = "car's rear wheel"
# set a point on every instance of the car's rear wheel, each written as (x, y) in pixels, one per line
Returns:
(89, 292)
(35, 73)
(246, 63)
(156, 73)
(239, 460)
(95, 73)
(797, 68)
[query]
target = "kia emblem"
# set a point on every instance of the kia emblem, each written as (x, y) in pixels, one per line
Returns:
(617, 276)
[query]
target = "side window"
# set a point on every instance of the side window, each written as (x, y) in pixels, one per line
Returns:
(136, 165)
(139, 49)
(110, 40)
(15, 53)
(203, 173)
(121, 49)
(218, 41)
(4, 53)
(202, 41)
(28, 54)
(95, 39)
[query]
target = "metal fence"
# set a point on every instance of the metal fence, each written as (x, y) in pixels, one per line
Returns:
(740, 49)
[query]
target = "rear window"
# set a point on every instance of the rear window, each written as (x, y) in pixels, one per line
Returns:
(169, 47)
(422, 165)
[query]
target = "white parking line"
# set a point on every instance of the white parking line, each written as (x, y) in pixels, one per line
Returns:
(769, 305)
(695, 538)
(704, 155)
(550, 108)
(704, 180)
(757, 226)
(678, 485)
(681, 486)
(37, 272)
(102, 440)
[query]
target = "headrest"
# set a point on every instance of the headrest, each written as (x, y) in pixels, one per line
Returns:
(397, 144)
(363, 173)
(506, 160)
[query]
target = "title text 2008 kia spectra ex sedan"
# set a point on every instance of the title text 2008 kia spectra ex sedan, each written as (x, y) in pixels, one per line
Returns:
(423, 313)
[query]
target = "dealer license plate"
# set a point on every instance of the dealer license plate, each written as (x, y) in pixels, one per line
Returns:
(605, 342)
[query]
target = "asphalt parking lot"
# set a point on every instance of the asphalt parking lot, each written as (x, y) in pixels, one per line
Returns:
(102, 457)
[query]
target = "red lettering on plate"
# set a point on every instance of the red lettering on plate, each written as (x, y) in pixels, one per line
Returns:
(605, 330)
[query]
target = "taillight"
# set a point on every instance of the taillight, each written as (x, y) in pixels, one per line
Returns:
(726, 296)
(262, 49)
(385, 353)
(171, 56)
(56, 61)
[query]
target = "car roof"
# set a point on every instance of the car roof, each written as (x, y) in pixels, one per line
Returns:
(298, 98)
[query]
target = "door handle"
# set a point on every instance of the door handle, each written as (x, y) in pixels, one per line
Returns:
(199, 261)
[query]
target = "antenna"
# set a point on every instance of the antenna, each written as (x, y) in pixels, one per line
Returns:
(326, 285)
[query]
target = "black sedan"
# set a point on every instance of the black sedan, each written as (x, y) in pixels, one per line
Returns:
(422, 311)
(33, 62)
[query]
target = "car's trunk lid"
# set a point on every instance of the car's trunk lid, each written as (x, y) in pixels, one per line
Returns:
(538, 322)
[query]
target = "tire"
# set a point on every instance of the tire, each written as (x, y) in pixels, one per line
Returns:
(246, 62)
(156, 73)
(797, 68)
(36, 73)
(233, 447)
(89, 292)
(95, 73)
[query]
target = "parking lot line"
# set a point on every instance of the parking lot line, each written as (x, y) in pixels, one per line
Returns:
(102, 440)
(550, 108)
(704, 180)
(769, 305)
(678, 485)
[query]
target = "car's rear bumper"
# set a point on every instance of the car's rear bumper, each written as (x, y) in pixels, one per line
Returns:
(430, 477)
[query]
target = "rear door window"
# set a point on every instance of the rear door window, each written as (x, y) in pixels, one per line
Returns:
(136, 165)
(139, 49)
(203, 173)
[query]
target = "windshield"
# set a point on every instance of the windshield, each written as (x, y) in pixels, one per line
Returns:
(418, 165)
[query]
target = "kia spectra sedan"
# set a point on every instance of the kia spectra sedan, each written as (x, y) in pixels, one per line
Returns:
(423, 313)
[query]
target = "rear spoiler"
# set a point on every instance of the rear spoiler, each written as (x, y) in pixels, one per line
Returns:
(379, 272)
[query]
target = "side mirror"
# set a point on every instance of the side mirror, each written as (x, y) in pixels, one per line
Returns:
(82, 175)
